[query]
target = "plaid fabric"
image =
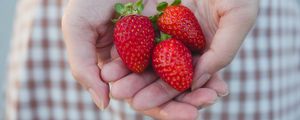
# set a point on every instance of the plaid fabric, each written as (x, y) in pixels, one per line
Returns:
(41, 86)
(263, 79)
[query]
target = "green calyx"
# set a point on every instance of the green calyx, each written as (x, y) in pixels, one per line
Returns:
(129, 9)
(163, 37)
(176, 2)
(161, 7)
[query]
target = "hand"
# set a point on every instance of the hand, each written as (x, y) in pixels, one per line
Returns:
(225, 24)
(87, 31)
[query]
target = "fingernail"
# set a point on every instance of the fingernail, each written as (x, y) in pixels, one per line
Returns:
(201, 81)
(224, 94)
(209, 103)
(212, 102)
(97, 99)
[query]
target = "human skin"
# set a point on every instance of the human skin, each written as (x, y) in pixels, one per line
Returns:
(87, 30)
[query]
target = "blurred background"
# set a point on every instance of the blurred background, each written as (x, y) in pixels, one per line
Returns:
(7, 10)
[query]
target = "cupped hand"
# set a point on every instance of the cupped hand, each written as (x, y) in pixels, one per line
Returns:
(87, 29)
(88, 33)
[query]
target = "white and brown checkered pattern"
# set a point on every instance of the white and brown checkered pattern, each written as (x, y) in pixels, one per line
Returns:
(264, 78)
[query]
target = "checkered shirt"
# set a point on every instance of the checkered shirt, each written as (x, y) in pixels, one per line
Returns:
(264, 78)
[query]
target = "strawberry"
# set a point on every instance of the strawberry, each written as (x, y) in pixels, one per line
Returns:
(180, 22)
(172, 61)
(134, 36)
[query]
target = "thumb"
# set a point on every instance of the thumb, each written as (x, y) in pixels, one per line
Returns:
(233, 27)
(80, 42)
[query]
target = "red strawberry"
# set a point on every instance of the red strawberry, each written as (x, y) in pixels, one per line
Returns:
(134, 37)
(180, 22)
(172, 61)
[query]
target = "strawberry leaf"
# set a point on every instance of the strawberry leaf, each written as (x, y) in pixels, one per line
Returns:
(154, 18)
(114, 20)
(163, 37)
(162, 6)
(128, 9)
(140, 9)
(129, 5)
(139, 6)
(176, 2)
(139, 3)
(120, 8)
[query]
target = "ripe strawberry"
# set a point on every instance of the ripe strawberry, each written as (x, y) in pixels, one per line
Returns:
(180, 22)
(172, 61)
(134, 36)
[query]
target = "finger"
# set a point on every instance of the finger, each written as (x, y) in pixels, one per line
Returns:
(202, 97)
(83, 60)
(218, 84)
(128, 86)
(153, 95)
(233, 27)
(157, 93)
(85, 70)
(114, 70)
(173, 111)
